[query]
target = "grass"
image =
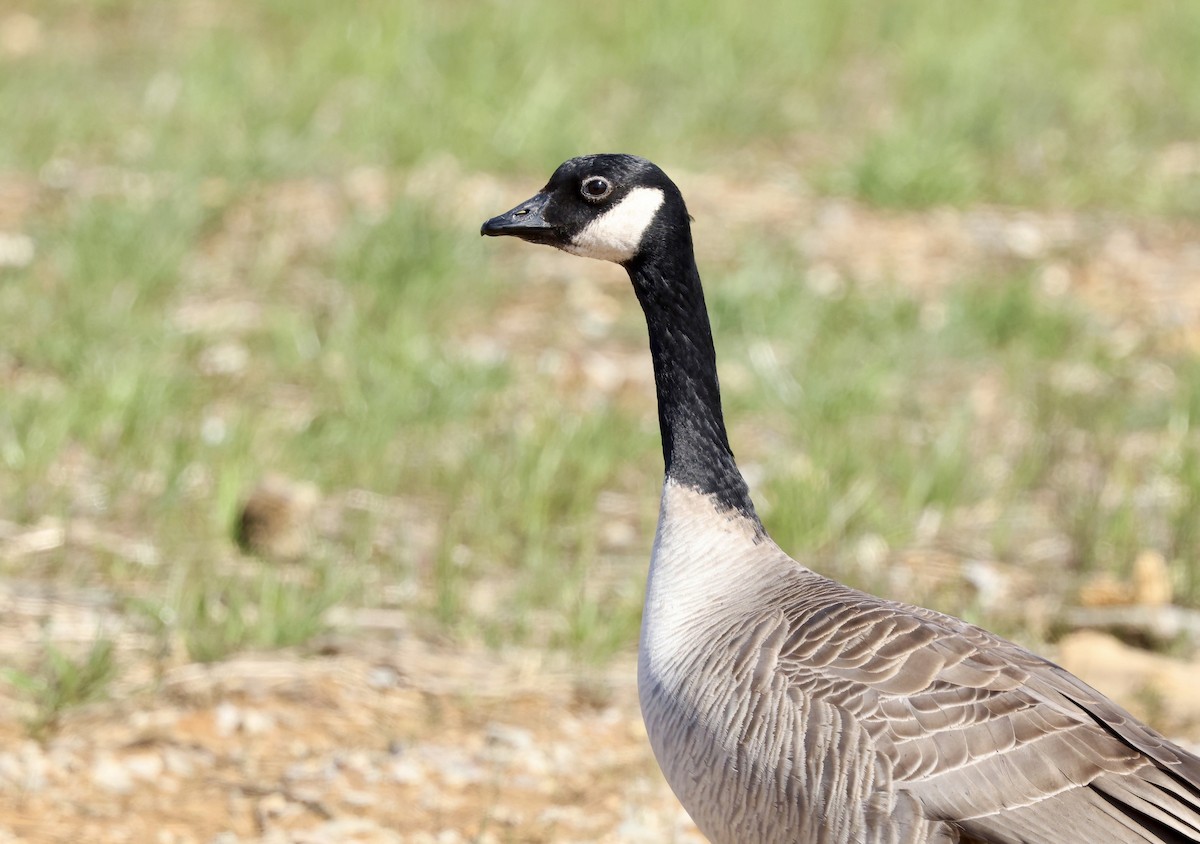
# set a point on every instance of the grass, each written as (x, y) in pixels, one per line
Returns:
(915, 453)
(901, 103)
(238, 271)
(63, 682)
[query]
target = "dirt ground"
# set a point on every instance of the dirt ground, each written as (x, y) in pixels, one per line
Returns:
(391, 738)
(377, 734)
(386, 738)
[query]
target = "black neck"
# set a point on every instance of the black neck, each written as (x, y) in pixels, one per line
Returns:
(695, 446)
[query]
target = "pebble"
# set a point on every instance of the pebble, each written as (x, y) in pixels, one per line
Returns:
(383, 677)
(16, 250)
(144, 766)
(461, 773)
(11, 768)
(347, 831)
(179, 762)
(255, 722)
(407, 771)
(273, 805)
(227, 358)
(516, 738)
(359, 799)
(226, 718)
(110, 775)
(1025, 239)
(230, 719)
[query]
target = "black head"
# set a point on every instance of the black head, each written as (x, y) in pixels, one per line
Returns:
(609, 207)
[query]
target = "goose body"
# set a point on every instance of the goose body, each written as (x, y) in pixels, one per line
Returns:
(786, 708)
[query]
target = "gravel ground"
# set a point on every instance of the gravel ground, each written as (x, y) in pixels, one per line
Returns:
(398, 741)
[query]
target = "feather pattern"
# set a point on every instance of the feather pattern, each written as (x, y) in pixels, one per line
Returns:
(786, 707)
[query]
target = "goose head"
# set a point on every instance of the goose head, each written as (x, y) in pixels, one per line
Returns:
(609, 207)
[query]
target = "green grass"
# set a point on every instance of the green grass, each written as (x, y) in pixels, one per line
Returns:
(192, 163)
(900, 102)
(62, 682)
(925, 449)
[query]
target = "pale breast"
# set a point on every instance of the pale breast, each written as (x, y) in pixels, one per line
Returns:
(751, 754)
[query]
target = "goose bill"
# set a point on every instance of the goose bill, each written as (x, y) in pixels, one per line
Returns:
(524, 221)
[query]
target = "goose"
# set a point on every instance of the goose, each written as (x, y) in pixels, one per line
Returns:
(784, 707)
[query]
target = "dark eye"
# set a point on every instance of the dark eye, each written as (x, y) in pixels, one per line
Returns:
(596, 187)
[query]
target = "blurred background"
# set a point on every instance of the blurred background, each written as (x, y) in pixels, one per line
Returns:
(322, 519)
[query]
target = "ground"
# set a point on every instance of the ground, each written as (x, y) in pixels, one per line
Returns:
(388, 738)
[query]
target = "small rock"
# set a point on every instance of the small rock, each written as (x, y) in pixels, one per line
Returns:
(228, 718)
(20, 34)
(227, 358)
(178, 763)
(348, 831)
(1024, 239)
(383, 677)
(506, 816)
(825, 281)
(990, 583)
(144, 766)
(36, 765)
(272, 805)
(407, 771)
(369, 192)
(16, 250)
(276, 520)
(110, 775)
(1150, 585)
(1151, 579)
(11, 768)
(359, 799)
(617, 535)
(871, 552)
(515, 737)
(1104, 590)
(256, 722)
(213, 430)
(357, 761)
(1056, 280)
(461, 772)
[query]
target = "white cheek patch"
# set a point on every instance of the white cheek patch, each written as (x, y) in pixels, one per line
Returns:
(616, 234)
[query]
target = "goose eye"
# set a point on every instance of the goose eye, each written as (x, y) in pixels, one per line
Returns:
(596, 187)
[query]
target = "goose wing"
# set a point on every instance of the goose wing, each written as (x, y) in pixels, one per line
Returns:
(980, 733)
